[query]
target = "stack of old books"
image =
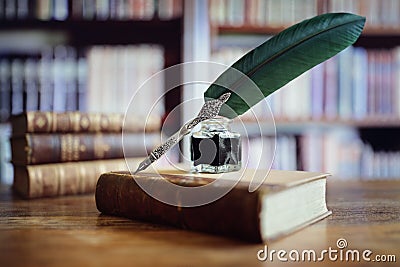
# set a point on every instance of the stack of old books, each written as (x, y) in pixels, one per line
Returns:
(56, 154)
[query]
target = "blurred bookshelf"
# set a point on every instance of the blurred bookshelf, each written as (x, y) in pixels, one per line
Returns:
(342, 116)
(349, 131)
(84, 55)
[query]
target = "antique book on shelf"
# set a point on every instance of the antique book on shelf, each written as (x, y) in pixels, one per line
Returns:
(51, 180)
(76, 122)
(52, 148)
(285, 202)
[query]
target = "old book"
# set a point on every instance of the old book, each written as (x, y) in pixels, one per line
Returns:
(50, 180)
(56, 148)
(75, 122)
(285, 202)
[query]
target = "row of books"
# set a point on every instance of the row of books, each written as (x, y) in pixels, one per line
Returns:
(356, 84)
(55, 80)
(116, 74)
(59, 81)
(342, 154)
(378, 13)
(260, 12)
(276, 152)
(286, 12)
(89, 9)
(65, 153)
(346, 156)
(379, 165)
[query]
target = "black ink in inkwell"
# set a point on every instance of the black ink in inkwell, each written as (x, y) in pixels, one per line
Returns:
(216, 148)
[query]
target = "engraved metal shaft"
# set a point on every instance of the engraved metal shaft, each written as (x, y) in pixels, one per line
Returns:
(209, 110)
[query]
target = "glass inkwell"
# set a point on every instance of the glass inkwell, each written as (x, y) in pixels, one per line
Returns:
(215, 148)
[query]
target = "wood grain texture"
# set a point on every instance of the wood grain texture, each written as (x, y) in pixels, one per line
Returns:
(69, 231)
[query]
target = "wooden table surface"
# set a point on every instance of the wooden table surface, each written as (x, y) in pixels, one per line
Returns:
(69, 231)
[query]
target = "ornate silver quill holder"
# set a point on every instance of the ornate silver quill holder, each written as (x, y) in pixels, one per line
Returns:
(209, 110)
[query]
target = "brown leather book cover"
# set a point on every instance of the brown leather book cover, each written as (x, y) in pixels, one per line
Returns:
(56, 148)
(51, 180)
(239, 213)
(76, 122)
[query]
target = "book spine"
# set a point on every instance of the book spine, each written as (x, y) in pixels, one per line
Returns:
(6, 172)
(17, 105)
(81, 79)
(102, 9)
(360, 83)
(119, 195)
(71, 80)
(317, 92)
(54, 148)
(76, 122)
(5, 90)
(59, 69)
(60, 11)
(10, 9)
(50, 180)
(31, 85)
(46, 92)
(345, 78)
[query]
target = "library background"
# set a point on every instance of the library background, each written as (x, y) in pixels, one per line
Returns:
(341, 117)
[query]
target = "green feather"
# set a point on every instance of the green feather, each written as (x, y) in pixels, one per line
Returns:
(283, 58)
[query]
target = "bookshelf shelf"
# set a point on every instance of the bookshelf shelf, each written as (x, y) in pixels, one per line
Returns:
(271, 30)
(372, 37)
(110, 32)
(288, 126)
(31, 23)
(248, 29)
(299, 126)
(376, 122)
